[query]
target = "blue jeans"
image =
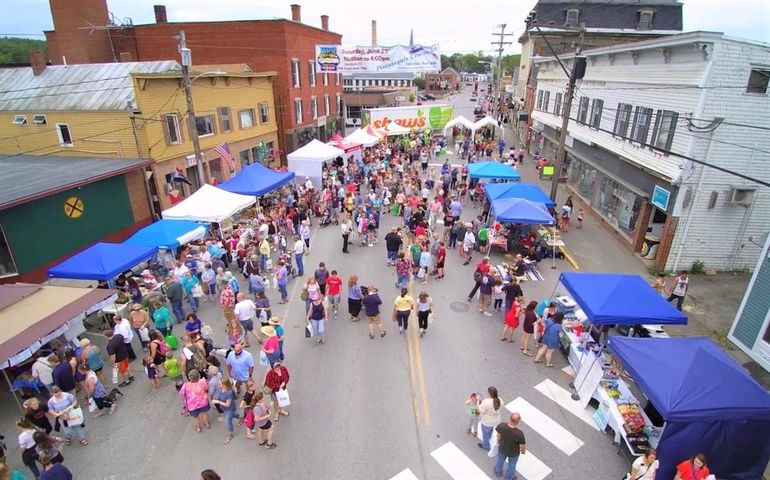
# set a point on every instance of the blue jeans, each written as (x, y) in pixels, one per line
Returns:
(510, 470)
(486, 435)
(392, 256)
(403, 319)
(178, 309)
(284, 293)
(403, 281)
(194, 304)
(229, 416)
(262, 262)
(300, 265)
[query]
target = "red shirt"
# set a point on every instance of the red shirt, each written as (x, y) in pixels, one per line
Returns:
(484, 267)
(333, 284)
(419, 230)
(685, 470)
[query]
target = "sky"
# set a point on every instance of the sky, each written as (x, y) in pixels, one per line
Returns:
(466, 29)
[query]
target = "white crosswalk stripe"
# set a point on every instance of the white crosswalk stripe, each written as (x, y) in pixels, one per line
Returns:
(457, 464)
(531, 468)
(563, 398)
(405, 475)
(552, 431)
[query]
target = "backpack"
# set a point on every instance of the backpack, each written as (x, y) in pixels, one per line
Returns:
(163, 348)
(198, 360)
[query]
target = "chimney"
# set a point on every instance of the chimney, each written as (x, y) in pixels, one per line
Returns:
(295, 13)
(374, 33)
(160, 14)
(325, 22)
(37, 61)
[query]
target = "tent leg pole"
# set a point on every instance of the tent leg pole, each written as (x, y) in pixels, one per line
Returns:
(553, 256)
(10, 387)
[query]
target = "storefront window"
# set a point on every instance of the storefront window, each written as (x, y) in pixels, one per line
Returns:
(7, 265)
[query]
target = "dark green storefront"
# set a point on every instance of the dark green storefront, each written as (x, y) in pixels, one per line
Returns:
(43, 230)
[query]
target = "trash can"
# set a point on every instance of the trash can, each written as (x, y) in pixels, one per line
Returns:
(650, 247)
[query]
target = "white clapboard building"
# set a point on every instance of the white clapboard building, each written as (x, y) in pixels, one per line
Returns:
(645, 119)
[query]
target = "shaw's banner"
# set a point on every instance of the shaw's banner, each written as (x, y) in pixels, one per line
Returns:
(414, 117)
(399, 58)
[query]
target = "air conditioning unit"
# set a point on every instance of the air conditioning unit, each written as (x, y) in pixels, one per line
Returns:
(741, 196)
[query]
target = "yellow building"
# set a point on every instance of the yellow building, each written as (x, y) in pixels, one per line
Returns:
(139, 109)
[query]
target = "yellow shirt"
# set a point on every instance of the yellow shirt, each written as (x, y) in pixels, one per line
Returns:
(264, 247)
(403, 303)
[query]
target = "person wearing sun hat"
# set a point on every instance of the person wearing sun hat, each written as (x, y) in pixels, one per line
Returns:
(275, 322)
(276, 378)
(271, 346)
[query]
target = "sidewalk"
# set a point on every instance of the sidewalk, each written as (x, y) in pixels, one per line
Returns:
(711, 303)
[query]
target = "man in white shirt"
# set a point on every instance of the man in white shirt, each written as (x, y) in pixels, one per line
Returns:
(299, 252)
(346, 228)
(180, 270)
(43, 371)
(244, 311)
(205, 256)
(469, 241)
(123, 327)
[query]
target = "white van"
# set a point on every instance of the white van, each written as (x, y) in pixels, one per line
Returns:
(353, 122)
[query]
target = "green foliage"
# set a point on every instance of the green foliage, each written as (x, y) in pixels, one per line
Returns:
(469, 62)
(412, 98)
(419, 82)
(698, 267)
(16, 50)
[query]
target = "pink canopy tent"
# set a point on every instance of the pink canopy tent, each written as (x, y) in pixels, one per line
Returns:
(342, 144)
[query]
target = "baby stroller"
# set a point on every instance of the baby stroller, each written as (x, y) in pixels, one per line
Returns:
(326, 217)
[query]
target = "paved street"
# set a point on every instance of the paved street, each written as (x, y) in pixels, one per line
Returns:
(370, 409)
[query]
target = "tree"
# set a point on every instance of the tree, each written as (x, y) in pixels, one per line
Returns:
(17, 50)
(419, 82)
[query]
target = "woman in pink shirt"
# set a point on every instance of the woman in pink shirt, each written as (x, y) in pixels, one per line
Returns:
(195, 398)
(271, 346)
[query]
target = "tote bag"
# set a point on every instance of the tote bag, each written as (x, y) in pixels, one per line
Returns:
(283, 398)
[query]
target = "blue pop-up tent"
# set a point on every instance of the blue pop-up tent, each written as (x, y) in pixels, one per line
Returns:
(167, 234)
(256, 179)
(527, 191)
(519, 210)
(102, 261)
(613, 298)
(495, 170)
(709, 402)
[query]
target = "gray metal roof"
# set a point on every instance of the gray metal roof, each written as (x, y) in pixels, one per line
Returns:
(610, 13)
(99, 86)
(29, 177)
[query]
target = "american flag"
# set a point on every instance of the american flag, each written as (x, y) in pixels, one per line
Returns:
(224, 152)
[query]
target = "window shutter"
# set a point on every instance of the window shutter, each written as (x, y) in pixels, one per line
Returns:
(166, 133)
(617, 119)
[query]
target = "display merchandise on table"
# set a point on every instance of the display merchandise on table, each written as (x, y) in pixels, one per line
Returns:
(626, 416)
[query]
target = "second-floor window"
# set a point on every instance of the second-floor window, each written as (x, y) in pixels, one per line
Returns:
(171, 129)
(298, 110)
(540, 100)
(546, 99)
(311, 72)
(295, 73)
(326, 79)
(65, 135)
(665, 127)
(204, 125)
(557, 104)
(224, 119)
(337, 82)
(583, 110)
(758, 79)
(313, 108)
(622, 119)
(641, 126)
(264, 112)
(596, 113)
(645, 20)
(246, 118)
(339, 104)
(327, 109)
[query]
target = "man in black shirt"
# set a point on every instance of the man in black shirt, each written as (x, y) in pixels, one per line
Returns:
(512, 290)
(393, 244)
(511, 444)
(62, 374)
(118, 353)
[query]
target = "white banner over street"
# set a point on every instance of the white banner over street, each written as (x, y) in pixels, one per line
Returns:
(398, 58)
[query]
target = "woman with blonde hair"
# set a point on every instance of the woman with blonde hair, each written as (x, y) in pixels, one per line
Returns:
(310, 291)
(355, 297)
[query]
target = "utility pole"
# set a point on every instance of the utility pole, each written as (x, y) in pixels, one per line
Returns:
(578, 72)
(501, 44)
(186, 61)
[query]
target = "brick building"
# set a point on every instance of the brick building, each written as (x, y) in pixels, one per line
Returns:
(307, 103)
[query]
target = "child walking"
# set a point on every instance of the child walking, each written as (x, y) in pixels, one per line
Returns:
(498, 294)
(473, 412)
(173, 370)
(580, 218)
(152, 371)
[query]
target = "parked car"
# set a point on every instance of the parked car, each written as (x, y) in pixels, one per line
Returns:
(429, 96)
(421, 98)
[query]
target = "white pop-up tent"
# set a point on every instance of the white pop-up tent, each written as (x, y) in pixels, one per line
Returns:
(365, 139)
(308, 160)
(458, 120)
(487, 120)
(394, 129)
(209, 204)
